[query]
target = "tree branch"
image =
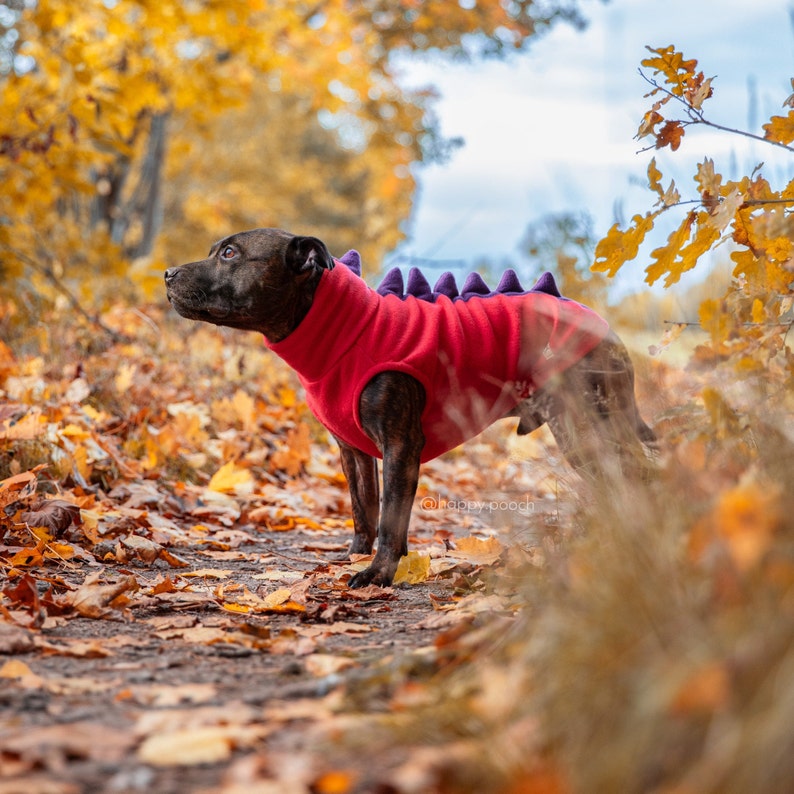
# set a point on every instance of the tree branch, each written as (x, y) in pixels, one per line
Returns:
(697, 117)
(49, 274)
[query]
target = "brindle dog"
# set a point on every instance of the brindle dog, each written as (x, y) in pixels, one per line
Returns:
(264, 280)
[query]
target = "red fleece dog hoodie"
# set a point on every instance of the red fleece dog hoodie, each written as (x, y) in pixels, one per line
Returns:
(463, 348)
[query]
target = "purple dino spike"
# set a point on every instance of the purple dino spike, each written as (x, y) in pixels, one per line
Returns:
(446, 285)
(509, 282)
(352, 260)
(547, 284)
(418, 285)
(392, 283)
(474, 285)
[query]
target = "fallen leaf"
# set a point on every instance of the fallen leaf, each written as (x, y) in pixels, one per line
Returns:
(194, 746)
(231, 478)
(414, 568)
(335, 782)
(324, 664)
(15, 639)
(95, 600)
(54, 744)
(477, 551)
(167, 696)
(15, 668)
(208, 573)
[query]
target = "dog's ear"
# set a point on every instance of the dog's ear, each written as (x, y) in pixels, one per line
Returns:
(305, 254)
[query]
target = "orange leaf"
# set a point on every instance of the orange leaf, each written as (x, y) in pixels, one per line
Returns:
(705, 691)
(780, 128)
(334, 782)
(670, 135)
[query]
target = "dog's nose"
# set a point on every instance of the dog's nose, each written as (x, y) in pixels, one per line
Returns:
(171, 274)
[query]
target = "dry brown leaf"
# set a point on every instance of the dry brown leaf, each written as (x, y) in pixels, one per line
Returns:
(95, 600)
(56, 515)
(323, 664)
(54, 744)
(168, 696)
(82, 649)
(208, 573)
(15, 639)
(199, 745)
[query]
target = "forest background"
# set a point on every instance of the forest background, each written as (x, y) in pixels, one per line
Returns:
(132, 443)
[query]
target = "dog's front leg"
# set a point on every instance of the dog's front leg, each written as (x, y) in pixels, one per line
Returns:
(391, 411)
(361, 472)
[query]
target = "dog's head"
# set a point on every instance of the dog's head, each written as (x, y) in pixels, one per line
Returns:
(262, 280)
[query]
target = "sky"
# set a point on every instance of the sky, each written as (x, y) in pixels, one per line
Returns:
(552, 130)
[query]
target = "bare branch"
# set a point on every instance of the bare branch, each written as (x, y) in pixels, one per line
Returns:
(697, 117)
(50, 275)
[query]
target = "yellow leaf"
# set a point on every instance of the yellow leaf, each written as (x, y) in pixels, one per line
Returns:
(75, 432)
(780, 128)
(670, 63)
(296, 452)
(188, 747)
(655, 178)
(758, 312)
(619, 247)
(231, 478)
(665, 257)
(702, 241)
(209, 573)
(15, 668)
(478, 551)
(413, 568)
(715, 320)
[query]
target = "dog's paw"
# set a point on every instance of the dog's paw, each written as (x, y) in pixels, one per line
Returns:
(372, 575)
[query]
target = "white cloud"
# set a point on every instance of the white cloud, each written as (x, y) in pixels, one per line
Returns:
(553, 130)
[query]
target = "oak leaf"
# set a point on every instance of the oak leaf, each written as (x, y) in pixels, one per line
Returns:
(670, 135)
(231, 478)
(672, 65)
(619, 247)
(709, 183)
(414, 568)
(655, 178)
(665, 257)
(95, 600)
(780, 128)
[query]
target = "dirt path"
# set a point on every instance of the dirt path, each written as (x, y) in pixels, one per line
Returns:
(190, 666)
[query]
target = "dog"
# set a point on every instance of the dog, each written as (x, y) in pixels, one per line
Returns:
(405, 375)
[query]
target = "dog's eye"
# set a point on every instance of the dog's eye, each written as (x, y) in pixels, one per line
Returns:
(228, 252)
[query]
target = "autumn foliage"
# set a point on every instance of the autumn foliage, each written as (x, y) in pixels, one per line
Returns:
(172, 615)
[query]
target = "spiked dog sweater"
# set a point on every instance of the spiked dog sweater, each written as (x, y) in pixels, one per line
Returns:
(477, 353)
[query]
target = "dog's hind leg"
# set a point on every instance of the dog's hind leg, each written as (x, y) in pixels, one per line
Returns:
(591, 411)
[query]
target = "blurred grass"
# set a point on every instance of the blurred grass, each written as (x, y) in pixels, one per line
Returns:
(654, 652)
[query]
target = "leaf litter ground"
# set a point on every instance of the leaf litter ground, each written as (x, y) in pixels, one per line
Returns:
(175, 617)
